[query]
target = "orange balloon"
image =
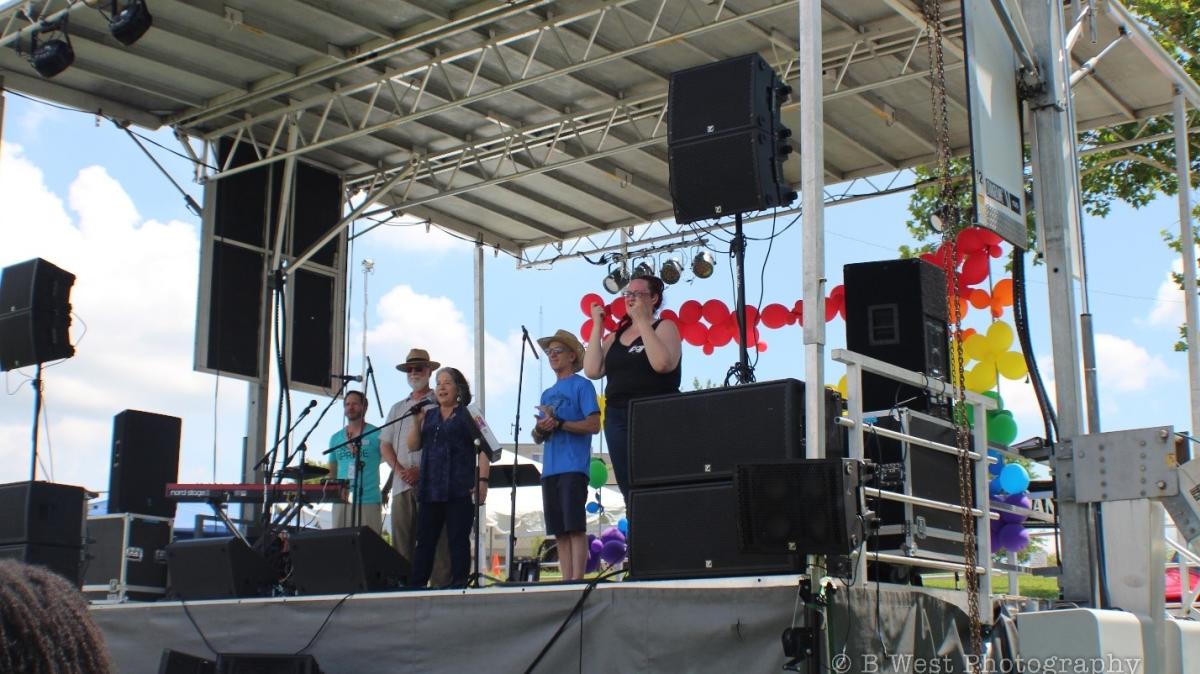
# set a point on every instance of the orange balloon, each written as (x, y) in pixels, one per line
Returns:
(979, 298)
(1002, 294)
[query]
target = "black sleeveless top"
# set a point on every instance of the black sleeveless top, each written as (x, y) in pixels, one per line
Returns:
(630, 374)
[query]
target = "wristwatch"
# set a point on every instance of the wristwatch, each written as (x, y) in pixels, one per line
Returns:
(559, 425)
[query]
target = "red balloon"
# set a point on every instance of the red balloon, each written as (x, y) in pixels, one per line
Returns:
(752, 315)
(761, 346)
(715, 311)
(751, 335)
(775, 316)
(989, 237)
(797, 313)
(969, 241)
(610, 323)
(695, 334)
(722, 332)
(585, 330)
(708, 349)
(585, 304)
(831, 308)
(669, 315)
(974, 270)
(617, 308)
(839, 291)
(690, 311)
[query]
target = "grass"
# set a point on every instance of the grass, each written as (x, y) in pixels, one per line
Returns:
(1041, 587)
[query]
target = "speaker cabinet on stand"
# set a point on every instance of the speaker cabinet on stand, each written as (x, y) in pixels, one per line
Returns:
(145, 458)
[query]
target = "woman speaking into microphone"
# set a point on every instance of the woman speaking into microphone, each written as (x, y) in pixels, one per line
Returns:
(445, 434)
(642, 358)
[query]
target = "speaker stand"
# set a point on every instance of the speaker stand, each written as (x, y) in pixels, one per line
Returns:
(37, 415)
(741, 372)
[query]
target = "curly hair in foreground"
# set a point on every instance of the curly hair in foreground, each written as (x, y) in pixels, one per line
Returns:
(45, 626)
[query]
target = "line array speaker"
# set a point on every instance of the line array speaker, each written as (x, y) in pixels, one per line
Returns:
(725, 144)
(35, 314)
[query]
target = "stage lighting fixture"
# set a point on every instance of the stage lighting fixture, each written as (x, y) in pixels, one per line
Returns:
(703, 265)
(671, 271)
(616, 280)
(51, 57)
(131, 23)
(939, 218)
(644, 268)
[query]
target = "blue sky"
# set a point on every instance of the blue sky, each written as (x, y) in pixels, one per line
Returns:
(80, 194)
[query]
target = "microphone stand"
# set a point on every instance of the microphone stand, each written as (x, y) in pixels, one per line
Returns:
(512, 507)
(269, 457)
(374, 386)
(303, 448)
(357, 442)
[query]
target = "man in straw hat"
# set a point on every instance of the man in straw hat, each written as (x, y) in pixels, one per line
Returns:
(418, 367)
(569, 417)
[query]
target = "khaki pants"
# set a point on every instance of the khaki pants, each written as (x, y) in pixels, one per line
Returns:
(404, 536)
(372, 516)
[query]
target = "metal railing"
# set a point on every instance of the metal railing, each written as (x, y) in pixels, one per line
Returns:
(856, 364)
(1186, 608)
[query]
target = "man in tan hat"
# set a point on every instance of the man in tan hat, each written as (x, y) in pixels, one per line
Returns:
(570, 416)
(406, 465)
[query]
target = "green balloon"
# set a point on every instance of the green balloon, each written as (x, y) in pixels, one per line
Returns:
(995, 395)
(1002, 429)
(598, 474)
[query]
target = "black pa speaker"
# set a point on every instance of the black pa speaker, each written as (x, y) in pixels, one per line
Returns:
(724, 140)
(42, 513)
(145, 458)
(266, 663)
(35, 314)
(65, 560)
(339, 561)
(217, 568)
(800, 507)
(691, 531)
(896, 312)
(177, 662)
(702, 435)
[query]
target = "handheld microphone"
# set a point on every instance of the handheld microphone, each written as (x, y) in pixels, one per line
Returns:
(346, 377)
(421, 403)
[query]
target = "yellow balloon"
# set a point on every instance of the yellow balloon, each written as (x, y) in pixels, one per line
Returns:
(977, 347)
(600, 402)
(981, 378)
(842, 388)
(1012, 365)
(1000, 337)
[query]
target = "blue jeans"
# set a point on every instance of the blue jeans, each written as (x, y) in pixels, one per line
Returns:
(616, 434)
(455, 516)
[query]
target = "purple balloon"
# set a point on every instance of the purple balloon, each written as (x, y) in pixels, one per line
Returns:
(595, 546)
(1020, 501)
(996, 526)
(613, 552)
(612, 534)
(593, 563)
(1014, 537)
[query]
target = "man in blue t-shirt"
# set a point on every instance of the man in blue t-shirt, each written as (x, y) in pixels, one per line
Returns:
(342, 466)
(569, 417)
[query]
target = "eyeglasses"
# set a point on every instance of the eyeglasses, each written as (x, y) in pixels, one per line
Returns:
(630, 294)
(554, 351)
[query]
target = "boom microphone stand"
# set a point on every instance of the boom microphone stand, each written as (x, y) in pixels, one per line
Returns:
(512, 508)
(741, 370)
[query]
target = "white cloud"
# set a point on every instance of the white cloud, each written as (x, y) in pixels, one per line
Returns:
(1168, 301)
(135, 291)
(1125, 367)
(410, 319)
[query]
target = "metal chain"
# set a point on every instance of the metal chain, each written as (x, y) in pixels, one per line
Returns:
(952, 217)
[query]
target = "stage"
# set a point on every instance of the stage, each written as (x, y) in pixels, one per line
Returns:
(715, 625)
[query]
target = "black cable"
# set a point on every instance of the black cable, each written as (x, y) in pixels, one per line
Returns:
(575, 609)
(199, 631)
(762, 282)
(321, 629)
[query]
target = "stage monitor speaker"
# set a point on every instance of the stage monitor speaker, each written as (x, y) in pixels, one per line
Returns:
(217, 568)
(800, 507)
(702, 435)
(176, 662)
(725, 144)
(35, 314)
(42, 513)
(145, 457)
(266, 663)
(339, 561)
(65, 560)
(691, 531)
(896, 312)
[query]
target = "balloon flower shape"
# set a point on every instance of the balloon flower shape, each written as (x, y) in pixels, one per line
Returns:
(609, 548)
(991, 352)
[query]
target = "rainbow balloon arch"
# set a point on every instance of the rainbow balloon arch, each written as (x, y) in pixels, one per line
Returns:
(988, 354)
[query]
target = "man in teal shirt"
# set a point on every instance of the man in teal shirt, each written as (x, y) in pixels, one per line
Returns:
(342, 464)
